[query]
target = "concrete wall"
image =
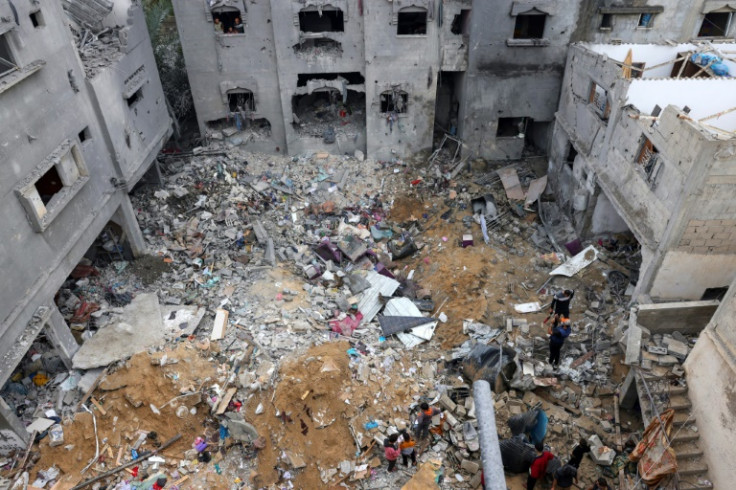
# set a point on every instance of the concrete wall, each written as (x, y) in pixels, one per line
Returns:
(43, 119)
(217, 63)
(138, 132)
(512, 78)
(711, 380)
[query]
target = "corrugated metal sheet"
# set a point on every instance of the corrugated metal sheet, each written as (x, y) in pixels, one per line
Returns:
(406, 307)
(369, 303)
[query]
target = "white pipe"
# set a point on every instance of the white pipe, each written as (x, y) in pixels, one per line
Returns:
(490, 451)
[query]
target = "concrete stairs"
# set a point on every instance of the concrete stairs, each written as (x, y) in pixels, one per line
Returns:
(672, 393)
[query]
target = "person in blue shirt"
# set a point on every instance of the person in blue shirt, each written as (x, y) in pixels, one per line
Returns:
(558, 332)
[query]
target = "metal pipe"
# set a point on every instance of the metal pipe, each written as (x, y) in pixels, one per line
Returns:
(490, 451)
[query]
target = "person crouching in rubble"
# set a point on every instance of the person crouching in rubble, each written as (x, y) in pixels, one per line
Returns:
(391, 452)
(565, 476)
(406, 446)
(424, 420)
(561, 303)
(558, 332)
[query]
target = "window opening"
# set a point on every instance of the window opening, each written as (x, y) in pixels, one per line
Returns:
(714, 293)
(606, 21)
(640, 72)
(715, 24)
(412, 21)
(328, 112)
(84, 135)
(37, 19)
(460, 23)
(353, 78)
(49, 185)
(571, 154)
(324, 20)
(648, 157)
(241, 100)
(135, 97)
(529, 26)
(7, 62)
(228, 20)
(511, 127)
(599, 98)
(646, 20)
(394, 101)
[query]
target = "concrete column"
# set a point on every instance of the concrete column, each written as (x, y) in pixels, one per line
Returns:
(61, 337)
(125, 217)
(490, 451)
(13, 434)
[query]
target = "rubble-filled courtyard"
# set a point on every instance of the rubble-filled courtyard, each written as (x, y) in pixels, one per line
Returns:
(293, 312)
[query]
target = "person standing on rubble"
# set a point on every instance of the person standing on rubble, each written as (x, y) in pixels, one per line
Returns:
(391, 452)
(424, 419)
(561, 303)
(558, 332)
(539, 466)
(564, 477)
(407, 446)
(580, 450)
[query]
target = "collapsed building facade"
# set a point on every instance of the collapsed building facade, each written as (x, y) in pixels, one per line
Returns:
(382, 77)
(646, 145)
(79, 127)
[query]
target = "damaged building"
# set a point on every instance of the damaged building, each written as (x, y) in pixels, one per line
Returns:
(386, 77)
(82, 118)
(644, 143)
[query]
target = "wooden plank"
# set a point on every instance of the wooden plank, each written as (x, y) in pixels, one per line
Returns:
(225, 401)
(91, 389)
(218, 330)
(98, 405)
(180, 481)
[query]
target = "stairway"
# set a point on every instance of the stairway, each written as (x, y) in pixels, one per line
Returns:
(671, 393)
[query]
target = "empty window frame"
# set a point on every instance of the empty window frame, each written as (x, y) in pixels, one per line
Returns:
(228, 20)
(327, 19)
(571, 154)
(648, 157)
(412, 21)
(134, 98)
(715, 24)
(241, 101)
(460, 23)
(639, 73)
(84, 135)
(606, 21)
(646, 20)
(511, 127)
(7, 60)
(59, 178)
(530, 26)
(599, 100)
(37, 19)
(394, 101)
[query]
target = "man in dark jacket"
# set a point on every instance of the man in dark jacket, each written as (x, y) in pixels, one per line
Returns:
(558, 332)
(561, 303)
(565, 476)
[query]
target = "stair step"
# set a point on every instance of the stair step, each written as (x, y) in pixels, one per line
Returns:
(687, 484)
(680, 402)
(682, 418)
(688, 453)
(691, 467)
(686, 436)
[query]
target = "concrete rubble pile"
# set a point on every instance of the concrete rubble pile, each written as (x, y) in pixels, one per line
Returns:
(298, 305)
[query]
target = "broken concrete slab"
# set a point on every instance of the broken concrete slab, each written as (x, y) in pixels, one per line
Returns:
(139, 327)
(633, 345)
(181, 321)
(577, 263)
(687, 317)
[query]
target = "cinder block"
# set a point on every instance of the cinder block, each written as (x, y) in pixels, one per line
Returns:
(471, 467)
